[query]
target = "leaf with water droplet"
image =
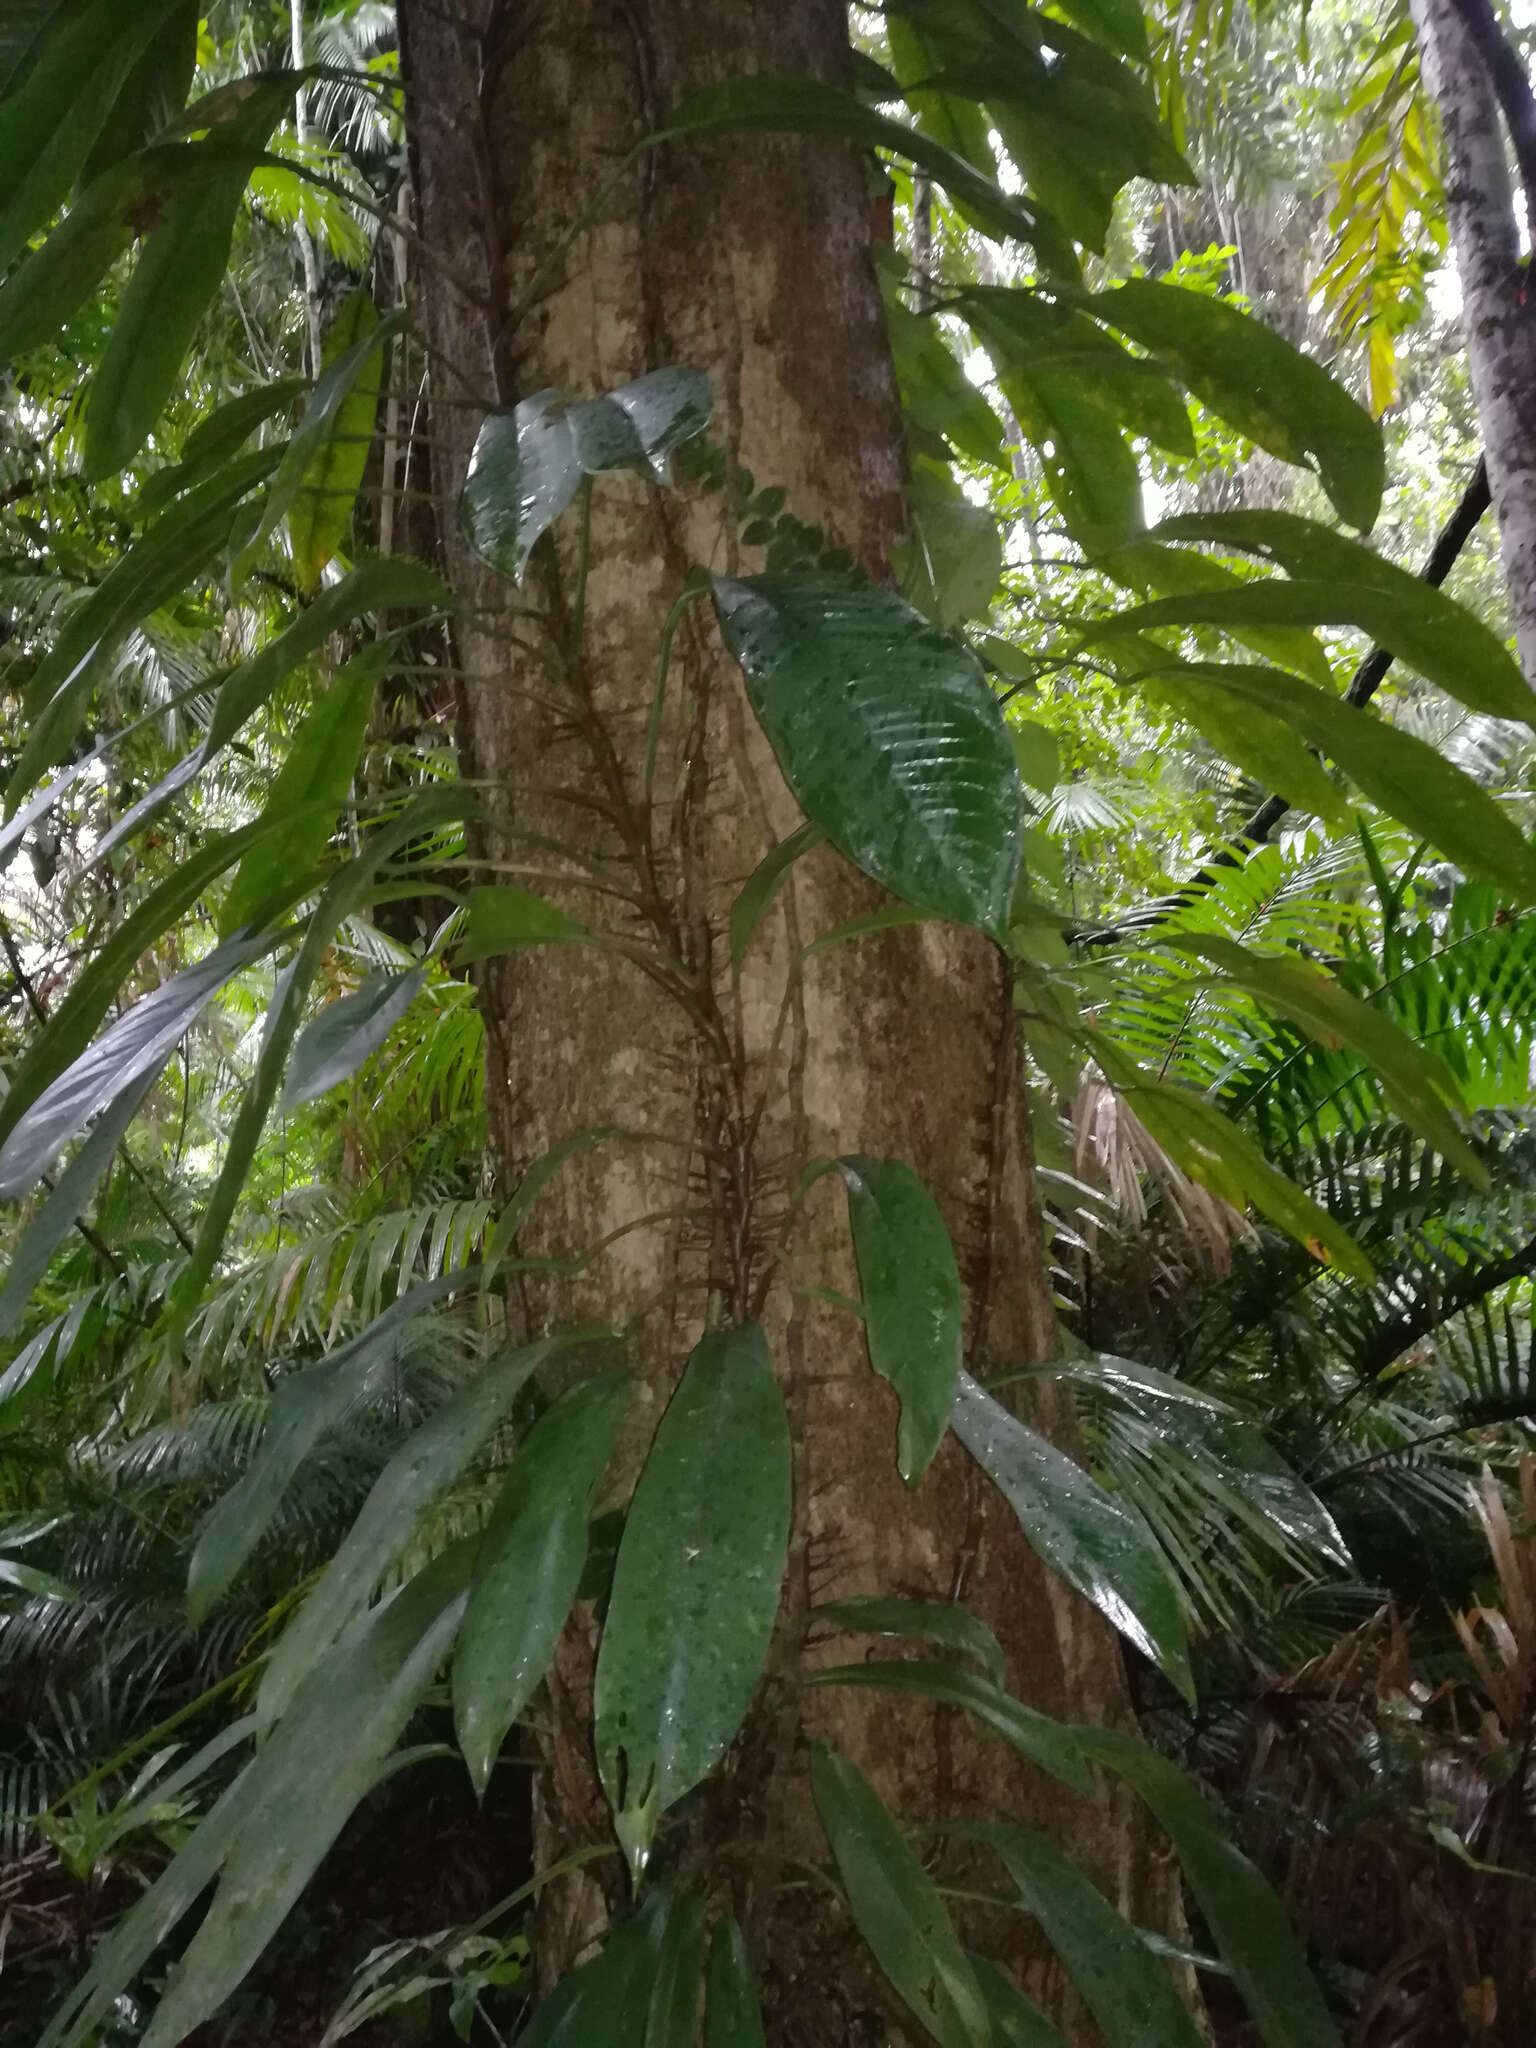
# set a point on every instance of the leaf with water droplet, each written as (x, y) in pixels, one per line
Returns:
(696, 1585)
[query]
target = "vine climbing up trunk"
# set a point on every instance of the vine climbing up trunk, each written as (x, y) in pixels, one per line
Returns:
(693, 1098)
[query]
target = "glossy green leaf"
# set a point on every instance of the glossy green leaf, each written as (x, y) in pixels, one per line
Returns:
(911, 1290)
(320, 517)
(133, 1047)
(1409, 779)
(696, 1585)
(808, 106)
(606, 2000)
(1079, 1530)
(54, 115)
(530, 1564)
(431, 1458)
(887, 734)
(1257, 382)
(732, 2017)
(672, 2010)
(1431, 632)
(68, 1200)
(1126, 1988)
(952, 563)
(664, 408)
(1050, 1744)
(1016, 2023)
(179, 272)
(347, 1032)
(762, 886)
(501, 917)
(310, 788)
(175, 551)
(896, 1907)
(883, 1614)
(317, 430)
(305, 1405)
(1245, 1918)
(348, 1713)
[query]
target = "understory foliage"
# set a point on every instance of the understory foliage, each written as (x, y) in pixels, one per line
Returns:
(288, 1525)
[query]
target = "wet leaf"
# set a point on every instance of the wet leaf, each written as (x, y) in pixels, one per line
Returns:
(531, 1559)
(732, 2017)
(1016, 2023)
(911, 1291)
(1079, 1530)
(896, 1908)
(887, 734)
(607, 2000)
(881, 1614)
(673, 2008)
(332, 1048)
(1050, 1744)
(696, 1585)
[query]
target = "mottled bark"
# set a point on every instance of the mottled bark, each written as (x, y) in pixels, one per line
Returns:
(1498, 313)
(748, 258)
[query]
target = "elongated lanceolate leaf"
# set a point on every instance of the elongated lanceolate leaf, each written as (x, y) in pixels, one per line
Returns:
(1421, 625)
(1255, 380)
(672, 2010)
(1246, 1920)
(606, 2000)
(500, 918)
(762, 887)
(153, 94)
(1126, 1988)
(320, 517)
(696, 1585)
(732, 2017)
(529, 459)
(332, 1048)
(896, 1907)
(882, 1614)
(887, 734)
(1016, 2023)
(131, 1048)
(1050, 1744)
(304, 1406)
(1079, 1530)
(911, 1290)
(530, 1564)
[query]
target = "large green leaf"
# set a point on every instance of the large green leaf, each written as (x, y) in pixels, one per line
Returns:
(1050, 1744)
(153, 93)
(935, 390)
(606, 2001)
(732, 2018)
(431, 1458)
(1026, 335)
(951, 565)
(1263, 746)
(132, 1047)
(1431, 632)
(1245, 1918)
(347, 1032)
(884, 1614)
(178, 274)
(911, 1292)
(807, 106)
(672, 2010)
(1091, 472)
(1079, 1530)
(1157, 570)
(888, 736)
(320, 517)
(1126, 1988)
(1016, 2023)
(1256, 381)
(896, 1907)
(530, 1564)
(696, 1585)
(500, 917)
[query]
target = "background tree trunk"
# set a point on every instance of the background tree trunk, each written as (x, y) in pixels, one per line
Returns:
(749, 259)
(1498, 318)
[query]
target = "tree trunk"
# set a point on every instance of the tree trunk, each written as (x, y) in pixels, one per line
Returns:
(1498, 318)
(749, 259)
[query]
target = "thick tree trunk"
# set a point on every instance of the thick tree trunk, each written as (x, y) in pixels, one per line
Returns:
(1498, 314)
(748, 259)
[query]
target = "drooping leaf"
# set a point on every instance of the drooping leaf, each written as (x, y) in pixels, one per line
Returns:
(936, 392)
(896, 1907)
(883, 1614)
(732, 2017)
(320, 517)
(1079, 1530)
(608, 1999)
(696, 1585)
(1245, 1918)
(347, 1032)
(501, 917)
(1050, 1744)
(1126, 1988)
(762, 887)
(953, 562)
(225, 431)
(1090, 469)
(1016, 2023)
(430, 1459)
(888, 736)
(911, 1292)
(153, 93)
(1160, 571)
(131, 1048)
(530, 1564)
(1118, 24)
(1263, 746)
(672, 2010)
(1257, 382)
(304, 1406)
